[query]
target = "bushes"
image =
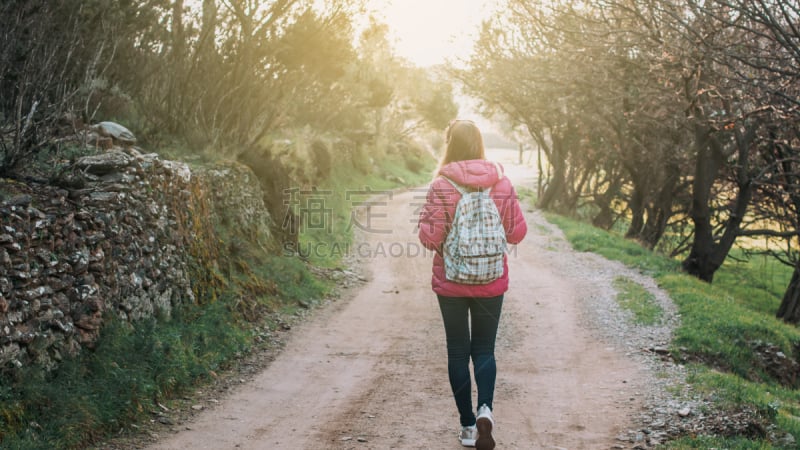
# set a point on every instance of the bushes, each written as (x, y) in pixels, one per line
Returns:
(321, 158)
(275, 179)
(415, 157)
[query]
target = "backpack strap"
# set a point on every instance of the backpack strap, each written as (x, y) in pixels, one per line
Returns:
(500, 173)
(461, 190)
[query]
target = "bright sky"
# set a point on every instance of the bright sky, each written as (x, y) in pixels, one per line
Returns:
(429, 32)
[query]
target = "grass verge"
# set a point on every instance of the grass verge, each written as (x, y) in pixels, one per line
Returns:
(119, 381)
(634, 298)
(724, 331)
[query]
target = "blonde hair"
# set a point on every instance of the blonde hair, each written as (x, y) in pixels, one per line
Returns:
(464, 142)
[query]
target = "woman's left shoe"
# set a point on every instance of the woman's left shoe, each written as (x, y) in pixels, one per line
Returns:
(467, 436)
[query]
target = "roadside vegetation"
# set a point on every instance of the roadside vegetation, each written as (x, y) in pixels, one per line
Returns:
(728, 337)
(135, 373)
(347, 196)
(135, 370)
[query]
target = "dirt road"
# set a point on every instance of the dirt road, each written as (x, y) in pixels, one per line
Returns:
(370, 371)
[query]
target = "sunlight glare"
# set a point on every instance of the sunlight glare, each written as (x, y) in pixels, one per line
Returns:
(431, 32)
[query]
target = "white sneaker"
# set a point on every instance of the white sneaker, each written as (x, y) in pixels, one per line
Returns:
(468, 435)
(484, 424)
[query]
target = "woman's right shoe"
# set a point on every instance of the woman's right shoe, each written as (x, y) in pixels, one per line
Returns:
(484, 424)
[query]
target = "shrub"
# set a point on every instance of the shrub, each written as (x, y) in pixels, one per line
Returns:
(321, 158)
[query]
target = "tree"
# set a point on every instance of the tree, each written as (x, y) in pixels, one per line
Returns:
(227, 73)
(767, 63)
(436, 105)
(727, 104)
(318, 54)
(54, 60)
(513, 72)
(587, 83)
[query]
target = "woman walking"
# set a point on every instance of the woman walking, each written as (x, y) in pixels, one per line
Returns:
(471, 305)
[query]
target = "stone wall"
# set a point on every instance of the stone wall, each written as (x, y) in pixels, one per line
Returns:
(116, 236)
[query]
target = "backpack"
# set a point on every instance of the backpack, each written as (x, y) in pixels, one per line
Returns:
(475, 246)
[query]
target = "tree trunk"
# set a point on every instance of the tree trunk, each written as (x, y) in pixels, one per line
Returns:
(606, 217)
(657, 218)
(208, 30)
(556, 194)
(710, 158)
(660, 212)
(636, 206)
(555, 190)
(707, 256)
(789, 310)
(175, 94)
(540, 174)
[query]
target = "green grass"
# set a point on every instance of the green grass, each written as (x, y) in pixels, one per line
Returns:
(766, 280)
(717, 327)
(587, 238)
(118, 382)
(708, 442)
(526, 195)
(720, 324)
(633, 297)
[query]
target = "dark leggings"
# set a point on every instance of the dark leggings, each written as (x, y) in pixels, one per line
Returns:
(461, 345)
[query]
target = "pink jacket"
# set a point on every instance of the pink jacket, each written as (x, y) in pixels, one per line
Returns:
(440, 206)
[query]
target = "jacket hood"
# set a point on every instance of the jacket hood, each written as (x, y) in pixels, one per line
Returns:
(474, 172)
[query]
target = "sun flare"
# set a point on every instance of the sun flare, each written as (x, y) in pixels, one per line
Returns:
(431, 32)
